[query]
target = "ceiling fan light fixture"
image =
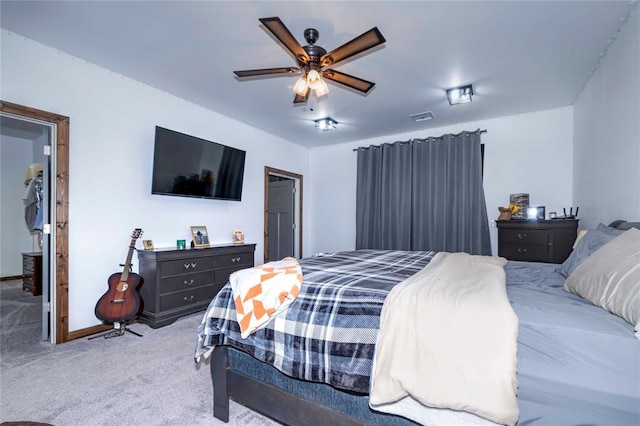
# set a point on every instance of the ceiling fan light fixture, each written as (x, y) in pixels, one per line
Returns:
(325, 124)
(313, 79)
(301, 86)
(321, 88)
(460, 95)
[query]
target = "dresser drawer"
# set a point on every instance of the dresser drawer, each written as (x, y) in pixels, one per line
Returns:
(185, 282)
(531, 253)
(222, 275)
(185, 266)
(234, 260)
(182, 299)
(525, 236)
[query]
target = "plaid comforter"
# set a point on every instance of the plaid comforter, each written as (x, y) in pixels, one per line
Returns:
(328, 334)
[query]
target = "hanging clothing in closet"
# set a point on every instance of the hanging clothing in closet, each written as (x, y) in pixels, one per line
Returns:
(33, 213)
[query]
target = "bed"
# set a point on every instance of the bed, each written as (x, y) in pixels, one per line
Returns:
(577, 363)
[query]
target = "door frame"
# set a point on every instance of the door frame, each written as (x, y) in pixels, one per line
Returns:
(268, 171)
(60, 261)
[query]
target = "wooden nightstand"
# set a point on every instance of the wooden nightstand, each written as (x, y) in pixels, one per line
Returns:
(548, 241)
(32, 272)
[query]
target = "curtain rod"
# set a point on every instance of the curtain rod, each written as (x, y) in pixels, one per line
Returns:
(411, 140)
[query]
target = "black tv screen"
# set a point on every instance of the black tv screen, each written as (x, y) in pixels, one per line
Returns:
(188, 166)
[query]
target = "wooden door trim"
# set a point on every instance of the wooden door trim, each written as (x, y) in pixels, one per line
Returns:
(269, 171)
(61, 230)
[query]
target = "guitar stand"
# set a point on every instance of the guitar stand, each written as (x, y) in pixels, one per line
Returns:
(116, 332)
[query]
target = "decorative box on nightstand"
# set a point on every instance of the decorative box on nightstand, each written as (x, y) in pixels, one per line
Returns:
(180, 282)
(548, 241)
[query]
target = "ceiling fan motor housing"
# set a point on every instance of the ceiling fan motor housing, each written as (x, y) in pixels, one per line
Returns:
(314, 52)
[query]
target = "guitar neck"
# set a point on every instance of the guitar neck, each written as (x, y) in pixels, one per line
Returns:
(132, 245)
(127, 263)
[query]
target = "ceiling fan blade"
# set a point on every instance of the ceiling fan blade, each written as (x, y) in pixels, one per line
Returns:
(299, 99)
(264, 71)
(280, 31)
(365, 41)
(348, 80)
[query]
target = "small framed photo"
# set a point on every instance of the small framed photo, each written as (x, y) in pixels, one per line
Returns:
(147, 244)
(238, 236)
(200, 236)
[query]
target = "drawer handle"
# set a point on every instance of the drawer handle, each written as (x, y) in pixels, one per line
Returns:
(522, 236)
(189, 265)
(522, 250)
(188, 282)
(186, 266)
(235, 259)
(188, 299)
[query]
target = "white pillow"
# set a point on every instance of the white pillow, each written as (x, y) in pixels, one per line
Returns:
(610, 278)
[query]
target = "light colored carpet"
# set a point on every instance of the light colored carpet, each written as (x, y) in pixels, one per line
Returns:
(122, 381)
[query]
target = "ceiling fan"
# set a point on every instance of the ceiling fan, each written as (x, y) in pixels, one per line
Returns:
(313, 60)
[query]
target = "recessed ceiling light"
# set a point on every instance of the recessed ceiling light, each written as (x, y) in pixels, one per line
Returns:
(460, 95)
(325, 124)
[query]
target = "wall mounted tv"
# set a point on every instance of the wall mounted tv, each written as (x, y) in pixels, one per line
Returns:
(188, 166)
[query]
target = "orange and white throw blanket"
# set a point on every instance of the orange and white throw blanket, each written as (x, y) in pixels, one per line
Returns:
(264, 291)
(448, 339)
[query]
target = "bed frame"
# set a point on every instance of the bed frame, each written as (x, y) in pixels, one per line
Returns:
(243, 381)
(267, 399)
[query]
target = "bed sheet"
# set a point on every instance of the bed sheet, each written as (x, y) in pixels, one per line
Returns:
(577, 363)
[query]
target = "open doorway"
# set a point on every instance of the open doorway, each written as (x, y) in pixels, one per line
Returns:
(282, 214)
(55, 263)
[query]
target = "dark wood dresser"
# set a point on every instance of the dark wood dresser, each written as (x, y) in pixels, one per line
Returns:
(32, 272)
(548, 241)
(180, 282)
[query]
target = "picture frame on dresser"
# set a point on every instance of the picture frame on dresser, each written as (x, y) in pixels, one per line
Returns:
(200, 236)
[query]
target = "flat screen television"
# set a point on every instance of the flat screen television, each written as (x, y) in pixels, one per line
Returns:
(188, 166)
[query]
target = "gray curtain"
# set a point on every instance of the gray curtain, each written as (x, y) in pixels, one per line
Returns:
(424, 194)
(383, 200)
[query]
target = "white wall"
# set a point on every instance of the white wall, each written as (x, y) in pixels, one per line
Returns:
(606, 176)
(528, 153)
(112, 123)
(15, 155)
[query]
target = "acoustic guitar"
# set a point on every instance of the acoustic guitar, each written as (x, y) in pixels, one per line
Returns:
(121, 303)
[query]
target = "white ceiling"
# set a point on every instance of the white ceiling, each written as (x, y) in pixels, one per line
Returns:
(520, 56)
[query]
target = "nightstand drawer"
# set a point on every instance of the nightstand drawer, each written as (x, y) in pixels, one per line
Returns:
(186, 298)
(525, 236)
(186, 266)
(27, 263)
(185, 282)
(529, 253)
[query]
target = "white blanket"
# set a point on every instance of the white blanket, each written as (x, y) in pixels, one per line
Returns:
(264, 291)
(448, 339)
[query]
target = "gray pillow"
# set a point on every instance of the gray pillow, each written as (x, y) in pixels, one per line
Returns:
(592, 241)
